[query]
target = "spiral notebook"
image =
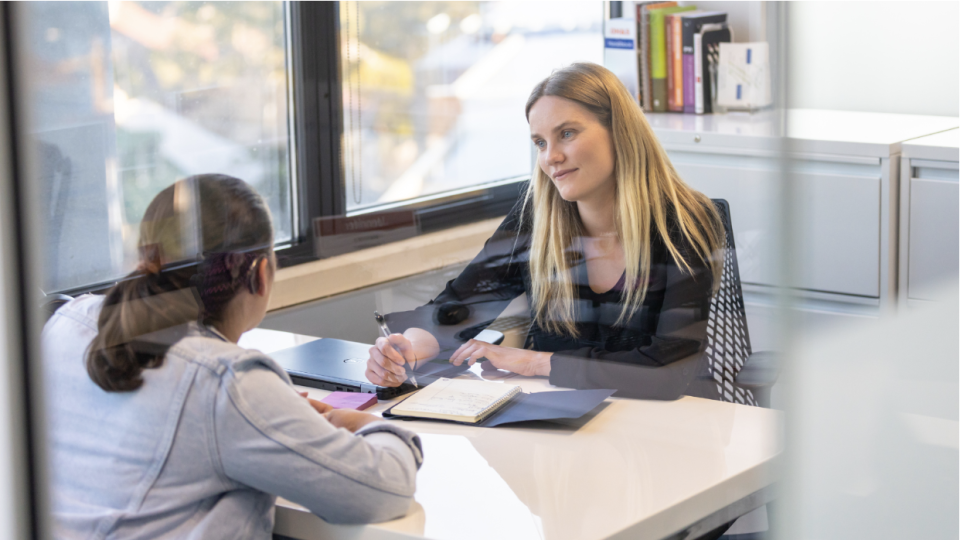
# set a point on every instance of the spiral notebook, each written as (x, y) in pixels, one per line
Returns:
(465, 401)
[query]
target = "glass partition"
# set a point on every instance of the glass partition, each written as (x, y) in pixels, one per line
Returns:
(433, 92)
(735, 324)
(130, 96)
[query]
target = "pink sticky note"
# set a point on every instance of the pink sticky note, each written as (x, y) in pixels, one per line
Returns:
(350, 400)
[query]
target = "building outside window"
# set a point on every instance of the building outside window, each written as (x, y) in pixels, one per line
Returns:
(130, 96)
(434, 92)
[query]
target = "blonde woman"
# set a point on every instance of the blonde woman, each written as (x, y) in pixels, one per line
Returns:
(617, 255)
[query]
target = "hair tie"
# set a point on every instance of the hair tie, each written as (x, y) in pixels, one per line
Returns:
(148, 267)
(150, 257)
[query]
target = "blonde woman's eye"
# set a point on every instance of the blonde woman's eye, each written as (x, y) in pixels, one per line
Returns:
(567, 134)
(539, 144)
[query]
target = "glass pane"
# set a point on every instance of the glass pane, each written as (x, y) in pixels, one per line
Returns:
(433, 92)
(129, 97)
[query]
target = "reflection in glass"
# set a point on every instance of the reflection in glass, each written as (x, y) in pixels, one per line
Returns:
(130, 96)
(433, 92)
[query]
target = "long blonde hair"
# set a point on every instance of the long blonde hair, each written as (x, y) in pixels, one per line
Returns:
(647, 186)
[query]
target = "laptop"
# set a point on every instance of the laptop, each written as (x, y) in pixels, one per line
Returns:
(340, 366)
(336, 365)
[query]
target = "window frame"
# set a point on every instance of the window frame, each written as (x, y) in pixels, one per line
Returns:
(315, 127)
(318, 123)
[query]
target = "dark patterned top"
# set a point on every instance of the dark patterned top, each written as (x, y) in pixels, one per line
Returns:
(654, 354)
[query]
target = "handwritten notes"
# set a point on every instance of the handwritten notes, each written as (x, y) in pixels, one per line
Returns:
(458, 400)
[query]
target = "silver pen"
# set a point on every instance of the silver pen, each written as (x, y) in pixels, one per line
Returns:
(385, 330)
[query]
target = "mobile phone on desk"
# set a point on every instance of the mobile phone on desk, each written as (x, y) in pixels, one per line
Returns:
(490, 336)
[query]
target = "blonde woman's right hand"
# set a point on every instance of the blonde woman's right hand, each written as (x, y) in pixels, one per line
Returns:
(385, 367)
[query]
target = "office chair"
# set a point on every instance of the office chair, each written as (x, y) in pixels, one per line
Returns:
(741, 375)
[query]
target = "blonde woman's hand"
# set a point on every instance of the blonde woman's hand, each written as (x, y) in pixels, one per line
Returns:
(350, 419)
(519, 361)
(388, 356)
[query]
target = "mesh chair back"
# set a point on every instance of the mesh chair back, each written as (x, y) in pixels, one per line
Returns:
(728, 340)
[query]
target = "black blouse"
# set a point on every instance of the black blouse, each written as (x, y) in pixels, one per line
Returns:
(654, 354)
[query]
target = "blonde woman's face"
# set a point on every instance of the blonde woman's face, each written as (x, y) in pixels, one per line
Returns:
(573, 148)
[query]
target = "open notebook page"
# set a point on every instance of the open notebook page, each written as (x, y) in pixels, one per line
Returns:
(458, 400)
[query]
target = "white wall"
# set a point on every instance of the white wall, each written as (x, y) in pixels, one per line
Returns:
(896, 57)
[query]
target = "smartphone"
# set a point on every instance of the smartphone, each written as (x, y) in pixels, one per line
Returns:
(490, 336)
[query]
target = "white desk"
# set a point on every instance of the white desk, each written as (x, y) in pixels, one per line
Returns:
(630, 469)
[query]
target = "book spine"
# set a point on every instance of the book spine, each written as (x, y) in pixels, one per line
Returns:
(658, 62)
(668, 39)
(687, 39)
(645, 59)
(688, 89)
(641, 96)
(697, 74)
(675, 61)
(711, 60)
(709, 78)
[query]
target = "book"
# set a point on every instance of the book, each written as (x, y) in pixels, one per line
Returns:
(706, 57)
(620, 53)
(640, 34)
(743, 78)
(691, 23)
(674, 31)
(457, 400)
(658, 54)
(643, 51)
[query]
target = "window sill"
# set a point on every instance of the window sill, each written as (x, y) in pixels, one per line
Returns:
(344, 273)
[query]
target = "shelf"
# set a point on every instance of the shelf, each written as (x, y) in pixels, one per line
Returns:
(808, 130)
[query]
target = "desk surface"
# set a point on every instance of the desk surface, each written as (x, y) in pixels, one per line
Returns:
(631, 468)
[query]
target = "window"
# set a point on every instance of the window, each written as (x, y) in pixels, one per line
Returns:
(434, 92)
(416, 106)
(130, 96)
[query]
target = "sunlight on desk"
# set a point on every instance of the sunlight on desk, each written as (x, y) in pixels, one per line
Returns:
(270, 341)
(459, 487)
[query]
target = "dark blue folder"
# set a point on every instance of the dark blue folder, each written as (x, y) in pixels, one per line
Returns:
(535, 406)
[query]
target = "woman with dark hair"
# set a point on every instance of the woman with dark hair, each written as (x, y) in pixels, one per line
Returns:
(160, 426)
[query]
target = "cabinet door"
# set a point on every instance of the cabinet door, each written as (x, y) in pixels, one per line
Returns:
(934, 236)
(838, 207)
(839, 233)
(751, 192)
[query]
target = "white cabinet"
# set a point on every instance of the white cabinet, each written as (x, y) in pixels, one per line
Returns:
(838, 172)
(929, 216)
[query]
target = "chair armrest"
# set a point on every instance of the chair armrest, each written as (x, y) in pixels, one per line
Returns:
(760, 370)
